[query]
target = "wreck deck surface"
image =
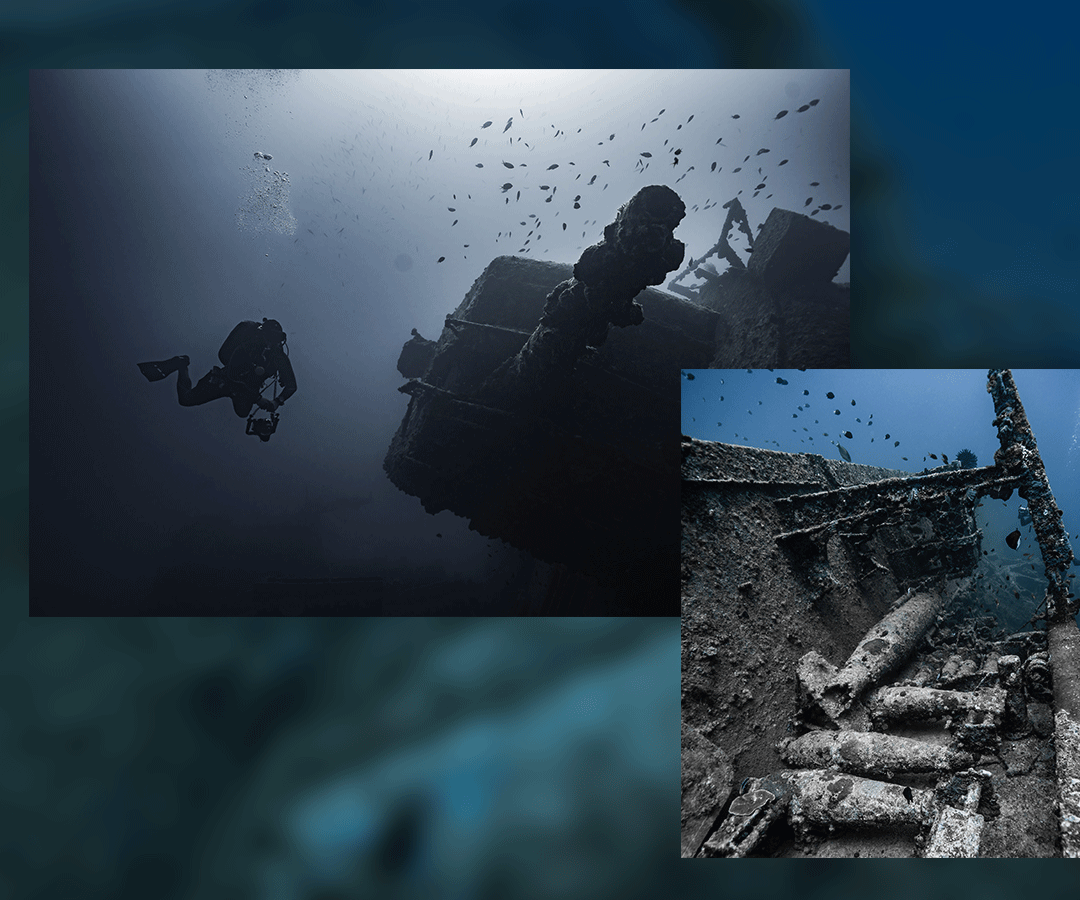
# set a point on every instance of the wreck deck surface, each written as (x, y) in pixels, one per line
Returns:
(762, 587)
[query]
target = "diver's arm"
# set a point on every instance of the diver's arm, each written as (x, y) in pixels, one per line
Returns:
(287, 378)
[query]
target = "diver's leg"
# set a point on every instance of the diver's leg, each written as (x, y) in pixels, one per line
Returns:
(210, 387)
(155, 371)
(183, 387)
(242, 401)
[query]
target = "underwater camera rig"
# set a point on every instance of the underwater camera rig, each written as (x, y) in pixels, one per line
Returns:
(263, 427)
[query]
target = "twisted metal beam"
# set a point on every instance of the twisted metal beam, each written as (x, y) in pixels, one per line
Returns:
(1019, 455)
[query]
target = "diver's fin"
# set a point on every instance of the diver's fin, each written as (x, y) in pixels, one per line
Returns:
(155, 371)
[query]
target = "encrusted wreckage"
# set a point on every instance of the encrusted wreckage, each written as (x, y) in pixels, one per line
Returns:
(782, 305)
(935, 737)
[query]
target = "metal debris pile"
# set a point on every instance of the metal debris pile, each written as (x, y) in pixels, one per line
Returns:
(855, 772)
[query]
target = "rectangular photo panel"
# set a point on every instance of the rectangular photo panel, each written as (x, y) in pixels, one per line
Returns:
(878, 622)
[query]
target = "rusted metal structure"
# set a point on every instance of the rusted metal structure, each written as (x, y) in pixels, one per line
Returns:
(1019, 456)
(911, 743)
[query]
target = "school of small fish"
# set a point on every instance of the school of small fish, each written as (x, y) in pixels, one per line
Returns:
(530, 143)
(806, 411)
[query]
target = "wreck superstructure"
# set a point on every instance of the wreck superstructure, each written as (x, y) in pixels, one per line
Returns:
(842, 694)
(547, 411)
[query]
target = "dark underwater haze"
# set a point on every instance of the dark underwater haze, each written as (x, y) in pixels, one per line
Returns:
(155, 229)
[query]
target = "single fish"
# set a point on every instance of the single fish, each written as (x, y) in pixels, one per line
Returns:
(780, 114)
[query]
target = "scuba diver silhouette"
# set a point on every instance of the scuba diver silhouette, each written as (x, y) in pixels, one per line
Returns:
(252, 354)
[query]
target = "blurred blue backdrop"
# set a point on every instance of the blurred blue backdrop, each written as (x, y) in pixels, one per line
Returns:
(966, 254)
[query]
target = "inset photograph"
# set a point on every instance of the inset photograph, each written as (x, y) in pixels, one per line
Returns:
(880, 653)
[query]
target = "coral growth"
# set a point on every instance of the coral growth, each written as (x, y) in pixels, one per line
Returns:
(967, 459)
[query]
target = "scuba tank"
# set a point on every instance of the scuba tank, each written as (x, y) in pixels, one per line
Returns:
(245, 333)
(258, 365)
(256, 340)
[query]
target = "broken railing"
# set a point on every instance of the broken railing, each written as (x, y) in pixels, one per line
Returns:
(736, 216)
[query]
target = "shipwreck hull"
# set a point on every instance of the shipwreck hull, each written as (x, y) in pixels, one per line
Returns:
(591, 480)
